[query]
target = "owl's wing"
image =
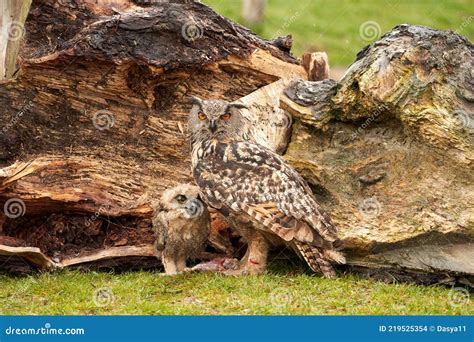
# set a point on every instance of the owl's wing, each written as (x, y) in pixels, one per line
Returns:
(250, 179)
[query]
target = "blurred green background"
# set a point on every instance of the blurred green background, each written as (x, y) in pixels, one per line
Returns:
(333, 25)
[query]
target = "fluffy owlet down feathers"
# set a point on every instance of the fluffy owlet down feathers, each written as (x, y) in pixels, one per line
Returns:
(257, 190)
(181, 223)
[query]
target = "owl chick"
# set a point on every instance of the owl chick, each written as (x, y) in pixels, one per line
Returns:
(261, 195)
(181, 223)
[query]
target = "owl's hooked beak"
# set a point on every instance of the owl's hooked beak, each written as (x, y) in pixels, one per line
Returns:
(193, 208)
(213, 126)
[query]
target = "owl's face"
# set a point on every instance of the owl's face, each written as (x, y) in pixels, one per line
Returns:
(183, 201)
(216, 119)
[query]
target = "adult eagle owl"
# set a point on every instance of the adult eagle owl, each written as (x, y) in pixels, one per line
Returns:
(261, 195)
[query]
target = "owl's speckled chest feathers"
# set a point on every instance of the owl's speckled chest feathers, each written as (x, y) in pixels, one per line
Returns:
(235, 173)
(229, 173)
(249, 180)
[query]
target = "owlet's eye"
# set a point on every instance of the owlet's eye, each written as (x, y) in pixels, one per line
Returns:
(202, 116)
(180, 198)
(226, 116)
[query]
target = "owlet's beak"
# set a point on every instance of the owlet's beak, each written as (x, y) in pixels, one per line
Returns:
(193, 208)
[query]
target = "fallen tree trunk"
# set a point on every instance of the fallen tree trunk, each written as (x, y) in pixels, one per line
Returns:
(389, 149)
(94, 124)
(96, 120)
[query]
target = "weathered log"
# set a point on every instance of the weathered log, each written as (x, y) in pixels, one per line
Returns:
(389, 149)
(95, 128)
(94, 124)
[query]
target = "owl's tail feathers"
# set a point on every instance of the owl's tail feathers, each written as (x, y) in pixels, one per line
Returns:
(335, 256)
(317, 259)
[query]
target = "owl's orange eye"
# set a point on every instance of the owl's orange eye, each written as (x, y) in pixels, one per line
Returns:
(202, 116)
(226, 116)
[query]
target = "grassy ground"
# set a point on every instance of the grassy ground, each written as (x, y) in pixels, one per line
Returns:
(278, 292)
(334, 26)
(326, 25)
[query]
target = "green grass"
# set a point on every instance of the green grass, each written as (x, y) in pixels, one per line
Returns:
(72, 292)
(333, 26)
(316, 25)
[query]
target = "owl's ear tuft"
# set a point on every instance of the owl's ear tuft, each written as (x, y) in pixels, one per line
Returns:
(195, 100)
(238, 105)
